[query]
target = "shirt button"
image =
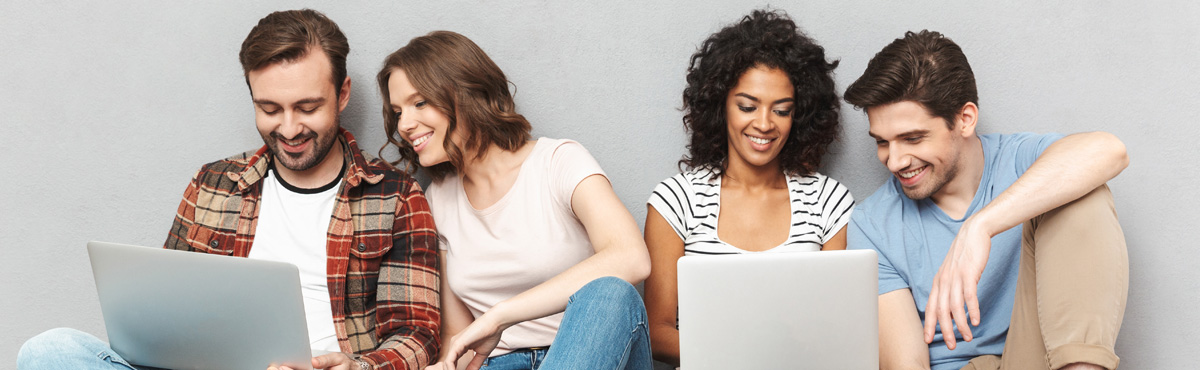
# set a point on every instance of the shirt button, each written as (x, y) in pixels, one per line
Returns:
(214, 243)
(362, 247)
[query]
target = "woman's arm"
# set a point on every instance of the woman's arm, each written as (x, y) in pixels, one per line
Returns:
(662, 290)
(619, 248)
(836, 243)
(455, 315)
(620, 252)
(901, 346)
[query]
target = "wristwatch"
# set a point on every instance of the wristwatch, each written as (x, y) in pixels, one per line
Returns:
(362, 365)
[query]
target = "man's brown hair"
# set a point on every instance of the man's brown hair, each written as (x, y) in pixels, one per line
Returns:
(923, 67)
(286, 36)
(457, 78)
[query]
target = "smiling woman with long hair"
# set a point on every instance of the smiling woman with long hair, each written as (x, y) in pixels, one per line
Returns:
(539, 253)
(761, 110)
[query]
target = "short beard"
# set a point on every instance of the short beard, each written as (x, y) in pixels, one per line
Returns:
(299, 162)
(951, 172)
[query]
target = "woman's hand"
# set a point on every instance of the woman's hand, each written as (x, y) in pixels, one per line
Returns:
(481, 337)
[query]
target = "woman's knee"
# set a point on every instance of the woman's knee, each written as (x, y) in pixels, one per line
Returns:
(608, 288)
(608, 291)
(607, 299)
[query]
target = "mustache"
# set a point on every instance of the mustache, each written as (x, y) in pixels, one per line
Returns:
(303, 135)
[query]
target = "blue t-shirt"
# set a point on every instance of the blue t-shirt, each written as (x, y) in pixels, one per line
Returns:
(912, 238)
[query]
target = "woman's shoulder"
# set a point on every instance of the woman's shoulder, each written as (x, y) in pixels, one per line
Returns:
(815, 181)
(817, 189)
(552, 151)
(690, 181)
(551, 145)
(810, 179)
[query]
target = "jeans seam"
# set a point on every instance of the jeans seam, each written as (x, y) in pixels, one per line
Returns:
(624, 363)
(108, 357)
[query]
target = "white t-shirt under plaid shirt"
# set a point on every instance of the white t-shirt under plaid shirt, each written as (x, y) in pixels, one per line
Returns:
(691, 203)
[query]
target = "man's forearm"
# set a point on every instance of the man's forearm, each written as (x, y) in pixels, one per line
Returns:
(414, 350)
(1067, 170)
(408, 304)
(409, 321)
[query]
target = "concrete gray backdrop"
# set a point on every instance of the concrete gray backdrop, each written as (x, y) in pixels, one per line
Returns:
(108, 109)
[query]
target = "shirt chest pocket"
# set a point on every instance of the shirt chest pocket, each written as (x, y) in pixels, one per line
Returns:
(212, 241)
(367, 256)
(372, 247)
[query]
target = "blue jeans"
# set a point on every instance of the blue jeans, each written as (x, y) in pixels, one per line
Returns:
(522, 359)
(603, 328)
(65, 348)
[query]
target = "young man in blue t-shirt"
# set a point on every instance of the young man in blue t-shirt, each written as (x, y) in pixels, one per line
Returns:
(995, 251)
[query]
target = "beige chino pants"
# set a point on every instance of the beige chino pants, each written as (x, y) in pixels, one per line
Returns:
(1071, 290)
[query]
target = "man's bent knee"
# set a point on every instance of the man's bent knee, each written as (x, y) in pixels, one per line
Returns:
(1096, 203)
(55, 342)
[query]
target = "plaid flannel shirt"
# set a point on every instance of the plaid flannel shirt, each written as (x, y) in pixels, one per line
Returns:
(382, 249)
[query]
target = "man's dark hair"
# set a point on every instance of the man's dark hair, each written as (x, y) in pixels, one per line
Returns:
(286, 36)
(767, 39)
(924, 67)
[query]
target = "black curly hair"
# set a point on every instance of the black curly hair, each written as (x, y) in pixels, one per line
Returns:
(771, 39)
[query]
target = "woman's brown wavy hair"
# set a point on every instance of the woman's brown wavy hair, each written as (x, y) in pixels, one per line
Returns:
(457, 78)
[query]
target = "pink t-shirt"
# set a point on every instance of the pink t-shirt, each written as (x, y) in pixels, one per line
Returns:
(527, 237)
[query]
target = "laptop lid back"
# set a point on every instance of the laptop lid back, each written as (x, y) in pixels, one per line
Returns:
(184, 310)
(807, 310)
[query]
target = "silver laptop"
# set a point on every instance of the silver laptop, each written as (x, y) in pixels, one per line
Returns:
(806, 310)
(185, 310)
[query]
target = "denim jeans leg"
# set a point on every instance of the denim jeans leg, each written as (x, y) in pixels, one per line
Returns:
(603, 328)
(516, 360)
(65, 348)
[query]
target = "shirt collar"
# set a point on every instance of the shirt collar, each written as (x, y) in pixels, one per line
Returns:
(357, 170)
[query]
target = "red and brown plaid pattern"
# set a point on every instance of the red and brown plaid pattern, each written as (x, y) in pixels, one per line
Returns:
(382, 247)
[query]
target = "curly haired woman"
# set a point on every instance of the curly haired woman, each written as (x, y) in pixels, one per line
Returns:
(761, 110)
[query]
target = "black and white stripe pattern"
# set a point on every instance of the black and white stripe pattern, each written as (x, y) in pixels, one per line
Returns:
(690, 202)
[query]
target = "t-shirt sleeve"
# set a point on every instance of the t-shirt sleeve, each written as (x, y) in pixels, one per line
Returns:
(836, 205)
(860, 234)
(570, 164)
(1029, 146)
(672, 201)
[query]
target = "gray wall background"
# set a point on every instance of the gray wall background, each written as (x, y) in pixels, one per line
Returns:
(108, 109)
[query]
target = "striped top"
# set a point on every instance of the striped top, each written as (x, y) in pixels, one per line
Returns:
(691, 203)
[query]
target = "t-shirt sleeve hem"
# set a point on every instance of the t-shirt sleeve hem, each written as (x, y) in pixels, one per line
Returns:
(570, 164)
(841, 224)
(666, 211)
(844, 208)
(885, 288)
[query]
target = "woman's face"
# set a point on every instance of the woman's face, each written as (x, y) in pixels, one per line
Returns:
(417, 122)
(759, 116)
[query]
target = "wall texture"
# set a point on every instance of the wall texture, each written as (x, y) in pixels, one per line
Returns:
(107, 109)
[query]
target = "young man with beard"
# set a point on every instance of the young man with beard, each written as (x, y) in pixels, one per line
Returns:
(359, 232)
(997, 251)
